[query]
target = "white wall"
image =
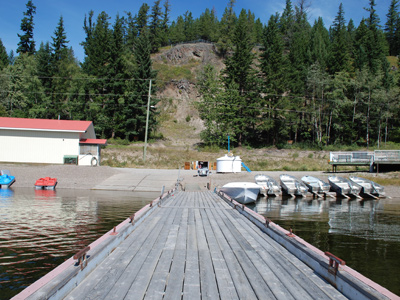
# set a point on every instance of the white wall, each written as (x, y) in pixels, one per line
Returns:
(37, 146)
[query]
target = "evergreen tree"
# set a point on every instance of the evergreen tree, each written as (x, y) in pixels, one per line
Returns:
(274, 68)
(138, 89)
(164, 24)
(390, 26)
(226, 29)
(26, 43)
(286, 23)
(59, 44)
(240, 76)
(272, 62)
(377, 44)
(319, 44)
(340, 56)
(189, 27)
(44, 70)
(4, 62)
(155, 28)
(177, 31)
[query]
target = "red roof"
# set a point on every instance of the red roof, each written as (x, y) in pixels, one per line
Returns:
(93, 141)
(44, 124)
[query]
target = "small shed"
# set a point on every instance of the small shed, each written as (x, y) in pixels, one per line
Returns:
(49, 141)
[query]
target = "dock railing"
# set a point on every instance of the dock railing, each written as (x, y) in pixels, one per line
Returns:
(357, 157)
(387, 156)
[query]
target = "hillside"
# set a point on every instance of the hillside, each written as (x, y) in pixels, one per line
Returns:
(178, 68)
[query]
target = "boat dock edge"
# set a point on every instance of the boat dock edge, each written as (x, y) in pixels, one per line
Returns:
(345, 279)
(61, 280)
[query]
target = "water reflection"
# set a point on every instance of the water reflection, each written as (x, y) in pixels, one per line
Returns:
(366, 234)
(39, 229)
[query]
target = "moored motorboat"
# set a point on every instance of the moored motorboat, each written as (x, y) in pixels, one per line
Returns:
(269, 186)
(242, 192)
(6, 179)
(316, 185)
(344, 187)
(46, 183)
(368, 187)
(293, 186)
(261, 180)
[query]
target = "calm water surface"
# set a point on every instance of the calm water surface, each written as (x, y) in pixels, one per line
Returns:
(365, 234)
(41, 229)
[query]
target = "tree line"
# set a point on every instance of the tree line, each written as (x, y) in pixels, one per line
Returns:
(284, 80)
(306, 83)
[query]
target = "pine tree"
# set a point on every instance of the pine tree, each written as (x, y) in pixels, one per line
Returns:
(286, 23)
(240, 76)
(340, 56)
(4, 62)
(59, 44)
(155, 28)
(390, 26)
(27, 44)
(164, 24)
(226, 29)
(377, 44)
(189, 27)
(272, 62)
(138, 89)
(319, 44)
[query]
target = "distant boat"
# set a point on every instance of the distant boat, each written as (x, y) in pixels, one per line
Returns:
(293, 186)
(242, 192)
(316, 185)
(344, 187)
(6, 180)
(46, 183)
(268, 185)
(368, 187)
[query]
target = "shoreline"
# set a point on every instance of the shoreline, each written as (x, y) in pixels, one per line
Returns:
(129, 179)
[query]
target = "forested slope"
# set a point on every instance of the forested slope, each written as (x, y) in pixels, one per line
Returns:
(261, 84)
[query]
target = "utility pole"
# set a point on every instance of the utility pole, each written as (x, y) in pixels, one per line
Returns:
(147, 123)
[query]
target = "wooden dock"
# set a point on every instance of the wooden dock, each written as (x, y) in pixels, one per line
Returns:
(198, 245)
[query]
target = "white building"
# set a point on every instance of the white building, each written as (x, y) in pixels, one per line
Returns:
(49, 141)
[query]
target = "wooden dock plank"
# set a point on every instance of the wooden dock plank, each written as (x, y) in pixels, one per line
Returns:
(296, 289)
(105, 275)
(224, 280)
(176, 278)
(301, 273)
(139, 287)
(156, 288)
(239, 279)
(208, 283)
(122, 286)
(243, 251)
(195, 246)
(191, 288)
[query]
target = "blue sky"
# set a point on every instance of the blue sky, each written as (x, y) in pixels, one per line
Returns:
(48, 13)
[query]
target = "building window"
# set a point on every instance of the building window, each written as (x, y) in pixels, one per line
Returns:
(88, 149)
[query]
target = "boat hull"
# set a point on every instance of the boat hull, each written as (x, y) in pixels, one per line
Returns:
(6, 181)
(292, 186)
(343, 186)
(46, 183)
(368, 187)
(316, 185)
(268, 185)
(242, 192)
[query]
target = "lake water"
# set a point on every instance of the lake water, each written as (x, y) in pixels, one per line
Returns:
(41, 229)
(365, 234)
